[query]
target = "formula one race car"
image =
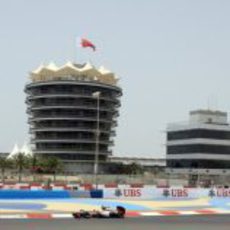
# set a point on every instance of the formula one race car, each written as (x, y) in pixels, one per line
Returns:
(105, 212)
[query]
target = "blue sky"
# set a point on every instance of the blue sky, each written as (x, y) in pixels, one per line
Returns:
(171, 57)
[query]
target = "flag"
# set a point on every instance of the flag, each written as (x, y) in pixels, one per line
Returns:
(85, 43)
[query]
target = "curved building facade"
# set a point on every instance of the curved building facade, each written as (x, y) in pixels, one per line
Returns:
(64, 114)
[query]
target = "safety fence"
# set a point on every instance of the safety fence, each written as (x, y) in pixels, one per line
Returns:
(109, 191)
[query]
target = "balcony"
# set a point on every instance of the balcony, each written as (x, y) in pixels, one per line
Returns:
(69, 140)
(72, 107)
(69, 129)
(73, 113)
(32, 98)
(52, 118)
(65, 85)
(70, 151)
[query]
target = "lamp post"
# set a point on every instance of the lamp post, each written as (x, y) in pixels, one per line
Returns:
(97, 135)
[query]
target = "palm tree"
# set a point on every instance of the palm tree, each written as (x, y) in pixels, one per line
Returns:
(21, 162)
(4, 164)
(52, 165)
(34, 165)
(134, 169)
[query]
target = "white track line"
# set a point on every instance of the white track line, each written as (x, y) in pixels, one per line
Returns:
(62, 215)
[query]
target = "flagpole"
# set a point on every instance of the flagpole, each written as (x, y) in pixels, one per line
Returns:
(75, 51)
(85, 43)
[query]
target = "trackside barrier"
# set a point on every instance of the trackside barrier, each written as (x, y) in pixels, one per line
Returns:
(28, 194)
(40, 186)
(41, 194)
(111, 185)
(86, 194)
(170, 193)
(96, 194)
(121, 191)
(136, 185)
(64, 186)
(80, 194)
(87, 186)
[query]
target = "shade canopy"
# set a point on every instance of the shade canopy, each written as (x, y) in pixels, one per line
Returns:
(73, 71)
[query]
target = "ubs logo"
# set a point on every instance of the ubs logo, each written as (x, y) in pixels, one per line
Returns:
(175, 192)
(220, 192)
(129, 192)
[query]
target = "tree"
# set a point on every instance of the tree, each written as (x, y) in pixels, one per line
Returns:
(52, 165)
(116, 168)
(35, 165)
(134, 169)
(21, 162)
(4, 165)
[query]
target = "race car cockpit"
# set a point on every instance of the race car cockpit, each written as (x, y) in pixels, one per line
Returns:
(105, 212)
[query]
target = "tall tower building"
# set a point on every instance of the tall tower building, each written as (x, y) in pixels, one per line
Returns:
(65, 117)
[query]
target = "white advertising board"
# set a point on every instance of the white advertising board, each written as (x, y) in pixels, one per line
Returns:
(164, 193)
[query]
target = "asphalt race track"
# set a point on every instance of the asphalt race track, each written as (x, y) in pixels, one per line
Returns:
(209, 222)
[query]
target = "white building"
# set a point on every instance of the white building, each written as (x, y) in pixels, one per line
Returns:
(201, 145)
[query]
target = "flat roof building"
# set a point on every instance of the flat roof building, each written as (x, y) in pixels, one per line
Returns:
(200, 145)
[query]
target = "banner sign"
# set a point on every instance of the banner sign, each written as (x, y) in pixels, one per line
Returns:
(164, 193)
(219, 192)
